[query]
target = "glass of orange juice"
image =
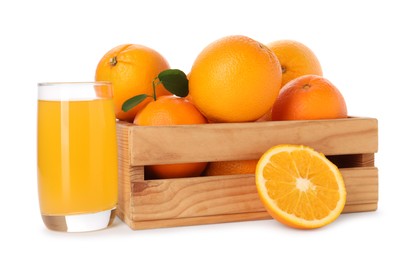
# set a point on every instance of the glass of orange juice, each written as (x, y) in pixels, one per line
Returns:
(77, 156)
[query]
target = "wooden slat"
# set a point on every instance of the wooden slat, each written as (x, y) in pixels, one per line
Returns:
(242, 141)
(192, 197)
(361, 185)
(225, 195)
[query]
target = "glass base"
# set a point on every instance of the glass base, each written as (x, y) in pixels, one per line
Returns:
(80, 222)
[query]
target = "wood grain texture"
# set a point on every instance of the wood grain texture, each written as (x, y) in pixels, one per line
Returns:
(163, 223)
(251, 216)
(214, 199)
(221, 195)
(244, 141)
(349, 143)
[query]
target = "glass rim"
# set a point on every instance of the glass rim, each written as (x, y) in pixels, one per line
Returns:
(96, 83)
(71, 91)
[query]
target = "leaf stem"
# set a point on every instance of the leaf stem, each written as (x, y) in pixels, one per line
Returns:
(154, 87)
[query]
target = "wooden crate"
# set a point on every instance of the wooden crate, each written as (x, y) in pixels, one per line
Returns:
(350, 143)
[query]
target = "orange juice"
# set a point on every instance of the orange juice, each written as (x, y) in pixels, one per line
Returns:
(77, 156)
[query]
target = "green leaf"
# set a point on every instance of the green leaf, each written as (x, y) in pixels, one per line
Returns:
(175, 81)
(132, 102)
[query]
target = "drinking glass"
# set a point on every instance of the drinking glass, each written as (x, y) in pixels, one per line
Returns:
(77, 155)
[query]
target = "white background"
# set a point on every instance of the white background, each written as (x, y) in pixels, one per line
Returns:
(366, 48)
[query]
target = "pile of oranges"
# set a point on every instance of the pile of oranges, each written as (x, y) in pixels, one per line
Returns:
(238, 79)
(233, 79)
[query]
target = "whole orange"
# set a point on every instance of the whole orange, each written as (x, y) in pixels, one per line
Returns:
(309, 97)
(131, 68)
(171, 110)
(231, 167)
(296, 59)
(235, 79)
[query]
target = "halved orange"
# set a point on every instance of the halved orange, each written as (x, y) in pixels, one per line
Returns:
(299, 186)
